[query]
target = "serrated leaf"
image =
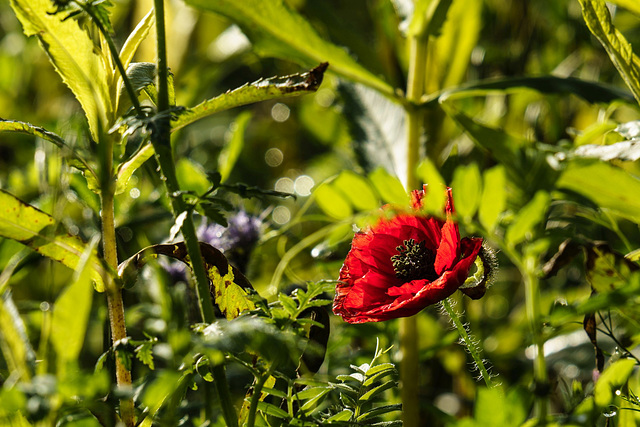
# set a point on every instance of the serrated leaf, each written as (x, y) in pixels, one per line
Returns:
(277, 30)
(73, 55)
(228, 285)
(389, 187)
(261, 90)
(494, 197)
(33, 228)
(357, 190)
(233, 146)
(598, 19)
(144, 353)
(527, 218)
(614, 377)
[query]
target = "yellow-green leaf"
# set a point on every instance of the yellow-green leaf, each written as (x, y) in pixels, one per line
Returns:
(74, 56)
(598, 19)
(32, 227)
(277, 30)
(614, 377)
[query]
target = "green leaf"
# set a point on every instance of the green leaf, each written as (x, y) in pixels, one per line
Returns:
(598, 19)
(389, 187)
(332, 202)
(32, 227)
(614, 377)
(156, 393)
(436, 197)
(344, 415)
(144, 353)
(191, 176)
(592, 92)
(357, 190)
(270, 409)
(313, 398)
(607, 270)
(631, 5)
(74, 160)
(494, 197)
(135, 38)
(74, 56)
(126, 169)
(233, 147)
(496, 407)
(467, 189)
(528, 217)
(261, 90)
(379, 410)
(229, 287)
(71, 312)
(14, 343)
(278, 31)
(608, 186)
(376, 390)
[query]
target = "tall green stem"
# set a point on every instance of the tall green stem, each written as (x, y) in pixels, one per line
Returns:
(532, 293)
(161, 140)
(114, 293)
(410, 368)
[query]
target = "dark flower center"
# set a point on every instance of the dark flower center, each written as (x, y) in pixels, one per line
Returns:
(414, 261)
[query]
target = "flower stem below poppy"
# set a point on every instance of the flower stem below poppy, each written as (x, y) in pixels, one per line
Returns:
(470, 344)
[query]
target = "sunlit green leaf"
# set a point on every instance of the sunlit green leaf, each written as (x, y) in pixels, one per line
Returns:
(332, 202)
(436, 195)
(607, 270)
(376, 390)
(191, 176)
(527, 218)
(14, 343)
(157, 392)
(277, 30)
(378, 411)
(494, 197)
(598, 19)
(357, 190)
(344, 415)
(232, 148)
(71, 312)
(389, 187)
(270, 409)
(73, 55)
(136, 37)
(39, 231)
(261, 90)
(608, 186)
(467, 189)
(614, 377)
(126, 169)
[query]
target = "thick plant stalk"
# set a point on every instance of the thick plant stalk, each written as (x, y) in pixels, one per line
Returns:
(541, 380)
(410, 369)
(161, 140)
(470, 345)
(114, 293)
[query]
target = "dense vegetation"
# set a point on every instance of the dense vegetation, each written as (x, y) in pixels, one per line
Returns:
(185, 187)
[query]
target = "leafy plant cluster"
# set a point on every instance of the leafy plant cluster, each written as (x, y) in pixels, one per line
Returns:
(529, 112)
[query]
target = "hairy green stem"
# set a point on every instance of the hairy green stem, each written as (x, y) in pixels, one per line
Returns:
(471, 346)
(410, 368)
(541, 380)
(161, 140)
(116, 58)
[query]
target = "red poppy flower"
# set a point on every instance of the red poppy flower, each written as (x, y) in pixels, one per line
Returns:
(402, 264)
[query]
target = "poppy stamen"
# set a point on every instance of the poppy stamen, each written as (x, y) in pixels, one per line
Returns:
(414, 261)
